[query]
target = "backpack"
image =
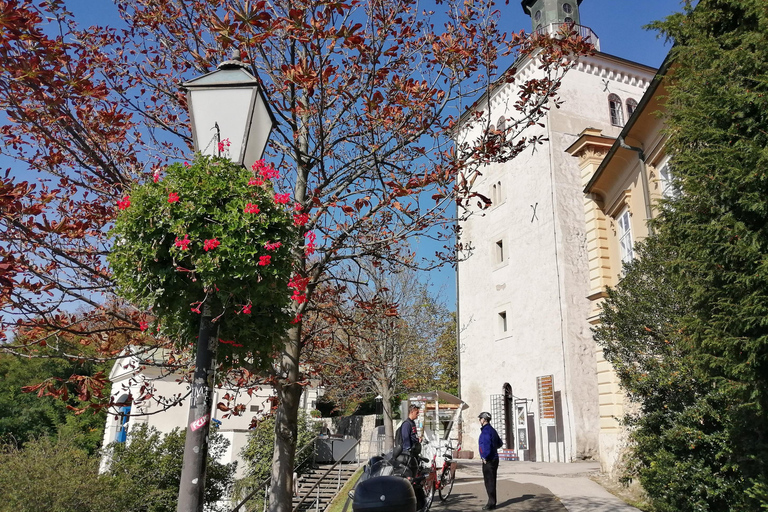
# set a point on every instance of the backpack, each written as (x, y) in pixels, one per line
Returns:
(397, 449)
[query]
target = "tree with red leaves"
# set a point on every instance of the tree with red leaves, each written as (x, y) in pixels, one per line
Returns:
(383, 342)
(366, 94)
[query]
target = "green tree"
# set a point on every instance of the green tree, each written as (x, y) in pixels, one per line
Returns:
(25, 416)
(148, 469)
(53, 474)
(447, 358)
(690, 324)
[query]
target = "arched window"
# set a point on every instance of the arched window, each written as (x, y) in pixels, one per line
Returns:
(502, 123)
(631, 107)
(617, 110)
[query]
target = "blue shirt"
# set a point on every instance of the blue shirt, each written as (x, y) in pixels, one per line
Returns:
(488, 443)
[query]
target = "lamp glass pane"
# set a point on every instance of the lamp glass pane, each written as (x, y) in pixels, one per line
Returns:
(261, 127)
(230, 108)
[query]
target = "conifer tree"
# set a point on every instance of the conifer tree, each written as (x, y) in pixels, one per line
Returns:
(700, 437)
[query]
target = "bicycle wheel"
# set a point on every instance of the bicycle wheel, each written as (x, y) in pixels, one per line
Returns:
(429, 493)
(446, 484)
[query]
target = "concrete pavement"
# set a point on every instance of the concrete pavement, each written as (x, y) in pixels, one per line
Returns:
(532, 486)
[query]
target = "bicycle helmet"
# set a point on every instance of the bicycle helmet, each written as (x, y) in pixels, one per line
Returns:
(485, 416)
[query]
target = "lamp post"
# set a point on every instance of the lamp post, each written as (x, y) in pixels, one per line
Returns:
(225, 104)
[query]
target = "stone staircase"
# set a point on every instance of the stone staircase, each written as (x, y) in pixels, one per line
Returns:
(323, 494)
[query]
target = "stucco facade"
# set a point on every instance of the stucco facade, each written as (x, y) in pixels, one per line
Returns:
(146, 393)
(523, 288)
(623, 176)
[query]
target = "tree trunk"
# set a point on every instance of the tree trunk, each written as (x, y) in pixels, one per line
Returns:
(389, 431)
(286, 427)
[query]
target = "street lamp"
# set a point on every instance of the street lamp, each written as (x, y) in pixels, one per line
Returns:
(225, 104)
(229, 104)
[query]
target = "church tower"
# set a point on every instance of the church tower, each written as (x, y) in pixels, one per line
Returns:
(551, 12)
(526, 352)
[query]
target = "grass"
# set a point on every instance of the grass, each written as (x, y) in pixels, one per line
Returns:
(337, 505)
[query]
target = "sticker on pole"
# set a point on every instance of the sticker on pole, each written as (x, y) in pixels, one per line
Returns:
(200, 422)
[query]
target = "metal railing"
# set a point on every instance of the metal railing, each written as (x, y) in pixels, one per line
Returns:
(553, 29)
(328, 472)
(265, 482)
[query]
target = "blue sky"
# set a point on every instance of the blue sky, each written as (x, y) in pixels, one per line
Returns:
(618, 24)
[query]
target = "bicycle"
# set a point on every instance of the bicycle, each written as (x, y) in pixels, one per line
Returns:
(444, 484)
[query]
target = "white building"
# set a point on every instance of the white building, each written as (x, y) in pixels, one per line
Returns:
(523, 290)
(146, 392)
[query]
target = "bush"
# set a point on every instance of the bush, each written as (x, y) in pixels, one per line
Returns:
(148, 467)
(54, 475)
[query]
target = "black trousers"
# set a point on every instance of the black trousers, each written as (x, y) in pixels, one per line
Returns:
(490, 468)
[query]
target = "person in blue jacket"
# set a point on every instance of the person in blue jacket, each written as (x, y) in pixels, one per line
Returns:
(410, 439)
(489, 442)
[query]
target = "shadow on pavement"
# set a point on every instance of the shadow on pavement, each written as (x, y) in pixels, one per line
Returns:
(469, 494)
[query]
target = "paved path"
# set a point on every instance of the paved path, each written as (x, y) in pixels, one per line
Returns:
(531, 486)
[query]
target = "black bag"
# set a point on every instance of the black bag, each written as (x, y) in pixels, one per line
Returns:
(398, 448)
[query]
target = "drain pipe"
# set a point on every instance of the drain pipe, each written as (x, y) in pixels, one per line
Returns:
(644, 180)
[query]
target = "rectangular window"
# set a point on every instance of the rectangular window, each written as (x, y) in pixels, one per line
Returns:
(502, 322)
(665, 181)
(500, 251)
(625, 237)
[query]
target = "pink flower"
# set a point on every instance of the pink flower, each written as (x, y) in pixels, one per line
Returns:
(186, 164)
(173, 197)
(125, 203)
(211, 244)
(272, 246)
(143, 326)
(184, 244)
(300, 298)
(298, 283)
(309, 245)
(268, 173)
(195, 310)
(156, 175)
(251, 208)
(265, 171)
(224, 144)
(297, 207)
(299, 219)
(297, 319)
(247, 309)
(265, 260)
(256, 182)
(282, 198)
